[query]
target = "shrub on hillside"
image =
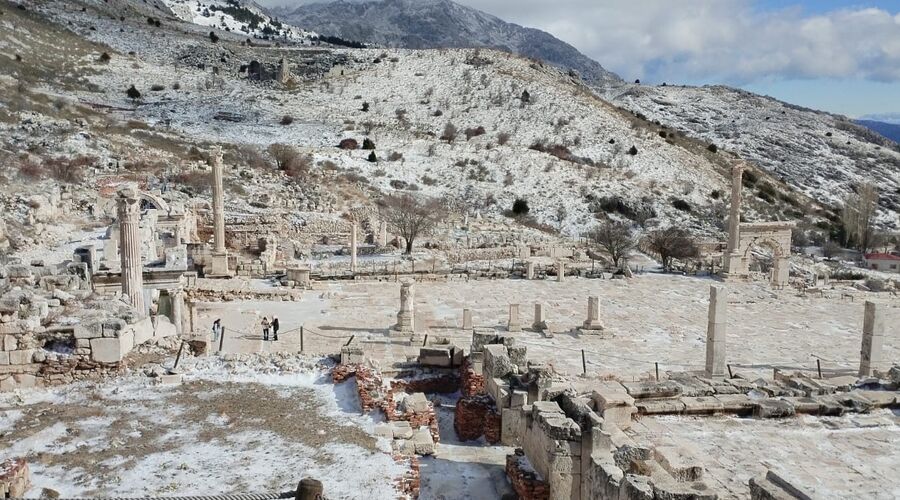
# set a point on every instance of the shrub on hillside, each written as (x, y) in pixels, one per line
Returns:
(474, 132)
(450, 132)
(520, 207)
(368, 143)
(287, 120)
(682, 205)
(349, 144)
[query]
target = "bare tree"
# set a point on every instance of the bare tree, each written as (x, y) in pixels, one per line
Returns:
(288, 159)
(859, 214)
(561, 214)
(670, 244)
(616, 239)
(410, 217)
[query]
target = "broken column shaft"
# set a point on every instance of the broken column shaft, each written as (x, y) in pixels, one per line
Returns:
(129, 212)
(715, 332)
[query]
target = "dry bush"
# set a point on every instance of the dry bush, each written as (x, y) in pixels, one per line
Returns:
(252, 157)
(503, 138)
(395, 156)
(68, 170)
(196, 181)
(30, 169)
(450, 132)
(474, 132)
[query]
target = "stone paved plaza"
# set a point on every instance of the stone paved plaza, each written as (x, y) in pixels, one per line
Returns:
(651, 318)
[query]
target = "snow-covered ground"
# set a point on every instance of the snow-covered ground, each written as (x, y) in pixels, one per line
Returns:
(252, 428)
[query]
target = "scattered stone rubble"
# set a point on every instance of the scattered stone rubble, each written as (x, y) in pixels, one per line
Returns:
(15, 478)
(54, 330)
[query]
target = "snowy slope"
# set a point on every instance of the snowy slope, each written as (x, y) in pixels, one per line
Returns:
(820, 154)
(237, 17)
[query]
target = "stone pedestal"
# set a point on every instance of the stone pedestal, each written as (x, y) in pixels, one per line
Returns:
(872, 340)
(218, 266)
(540, 318)
(406, 316)
(529, 270)
(129, 212)
(383, 238)
(592, 324)
(299, 277)
(560, 271)
(715, 333)
(467, 319)
(514, 324)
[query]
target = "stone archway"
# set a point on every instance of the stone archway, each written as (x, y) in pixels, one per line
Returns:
(151, 201)
(781, 266)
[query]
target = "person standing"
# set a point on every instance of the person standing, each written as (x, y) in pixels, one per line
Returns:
(275, 326)
(265, 327)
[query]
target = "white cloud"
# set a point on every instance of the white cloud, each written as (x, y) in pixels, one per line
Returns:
(728, 41)
(717, 40)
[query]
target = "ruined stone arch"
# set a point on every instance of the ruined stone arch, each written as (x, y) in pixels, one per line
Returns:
(151, 201)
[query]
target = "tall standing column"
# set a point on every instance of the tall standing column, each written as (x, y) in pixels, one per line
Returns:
(872, 340)
(732, 261)
(218, 200)
(592, 323)
(715, 332)
(383, 240)
(353, 244)
(129, 212)
(219, 264)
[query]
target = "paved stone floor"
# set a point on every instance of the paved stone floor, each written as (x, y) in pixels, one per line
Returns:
(855, 456)
(651, 318)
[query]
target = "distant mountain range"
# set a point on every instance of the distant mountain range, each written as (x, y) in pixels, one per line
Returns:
(887, 129)
(426, 24)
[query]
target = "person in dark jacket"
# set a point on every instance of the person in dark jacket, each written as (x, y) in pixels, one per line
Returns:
(275, 326)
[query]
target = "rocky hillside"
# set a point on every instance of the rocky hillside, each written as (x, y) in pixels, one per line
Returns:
(424, 24)
(479, 128)
(820, 154)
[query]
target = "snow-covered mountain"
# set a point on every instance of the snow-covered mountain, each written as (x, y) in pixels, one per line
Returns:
(425, 24)
(238, 16)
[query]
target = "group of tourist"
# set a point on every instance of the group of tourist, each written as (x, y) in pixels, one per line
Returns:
(270, 325)
(267, 327)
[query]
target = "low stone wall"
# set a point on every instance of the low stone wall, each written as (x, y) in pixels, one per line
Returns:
(91, 349)
(471, 382)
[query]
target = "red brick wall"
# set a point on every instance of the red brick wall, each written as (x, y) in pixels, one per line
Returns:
(476, 416)
(525, 483)
(471, 383)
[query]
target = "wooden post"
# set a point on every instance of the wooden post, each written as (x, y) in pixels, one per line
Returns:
(583, 362)
(657, 371)
(425, 342)
(301, 339)
(351, 340)
(819, 367)
(222, 339)
(178, 357)
(730, 375)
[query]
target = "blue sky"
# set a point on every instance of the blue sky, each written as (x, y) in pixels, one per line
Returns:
(837, 56)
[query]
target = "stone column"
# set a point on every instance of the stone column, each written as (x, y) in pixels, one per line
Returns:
(540, 318)
(353, 244)
(715, 332)
(178, 311)
(560, 271)
(529, 270)
(219, 263)
(872, 340)
(467, 319)
(383, 240)
(732, 259)
(593, 315)
(406, 316)
(129, 211)
(514, 324)
(218, 200)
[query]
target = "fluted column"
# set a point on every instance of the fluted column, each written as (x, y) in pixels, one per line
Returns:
(178, 311)
(129, 212)
(218, 200)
